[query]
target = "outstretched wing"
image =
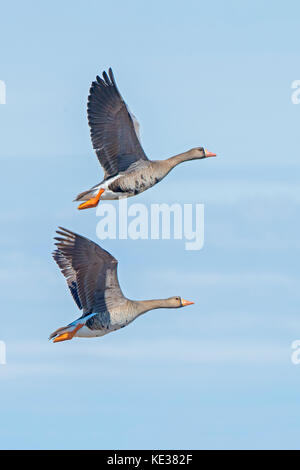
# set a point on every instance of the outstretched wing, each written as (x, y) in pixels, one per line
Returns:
(69, 273)
(90, 271)
(114, 131)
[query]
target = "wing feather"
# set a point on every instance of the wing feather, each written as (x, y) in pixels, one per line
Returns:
(90, 271)
(114, 132)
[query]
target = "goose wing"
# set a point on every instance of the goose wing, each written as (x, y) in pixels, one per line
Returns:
(90, 271)
(114, 130)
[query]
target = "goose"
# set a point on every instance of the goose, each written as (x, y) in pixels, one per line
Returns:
(116, 140)
(91, 275)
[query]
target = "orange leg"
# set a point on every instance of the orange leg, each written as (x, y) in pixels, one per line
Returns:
(93, 202)
(68, 335)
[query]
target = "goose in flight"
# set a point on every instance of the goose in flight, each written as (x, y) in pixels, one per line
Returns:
(91, 275)
(116, 141)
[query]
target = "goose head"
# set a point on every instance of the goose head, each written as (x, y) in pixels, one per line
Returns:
(177, 302)
(200, 152)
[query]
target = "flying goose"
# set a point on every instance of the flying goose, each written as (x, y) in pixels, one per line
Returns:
(92, 278)
(115, 138)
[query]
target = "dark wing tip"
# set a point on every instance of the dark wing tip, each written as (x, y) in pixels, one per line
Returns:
(66, 230)
(66, 233)
(106, 79)
(113, 81)
(64, 241)
(111, 75)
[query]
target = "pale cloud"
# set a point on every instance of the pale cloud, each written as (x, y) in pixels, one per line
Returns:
(234, 279)
(35, 358)
(26, 276)
(233, 191)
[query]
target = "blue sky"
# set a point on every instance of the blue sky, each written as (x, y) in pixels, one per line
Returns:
(215, 375)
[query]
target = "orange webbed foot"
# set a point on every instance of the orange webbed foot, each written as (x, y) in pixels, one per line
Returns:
(68, 335)
(93, 202)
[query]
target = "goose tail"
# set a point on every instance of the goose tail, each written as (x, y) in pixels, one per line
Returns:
(85, 195)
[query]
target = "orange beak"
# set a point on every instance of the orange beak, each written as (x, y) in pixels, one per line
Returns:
(184, 303)
(209, 154)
